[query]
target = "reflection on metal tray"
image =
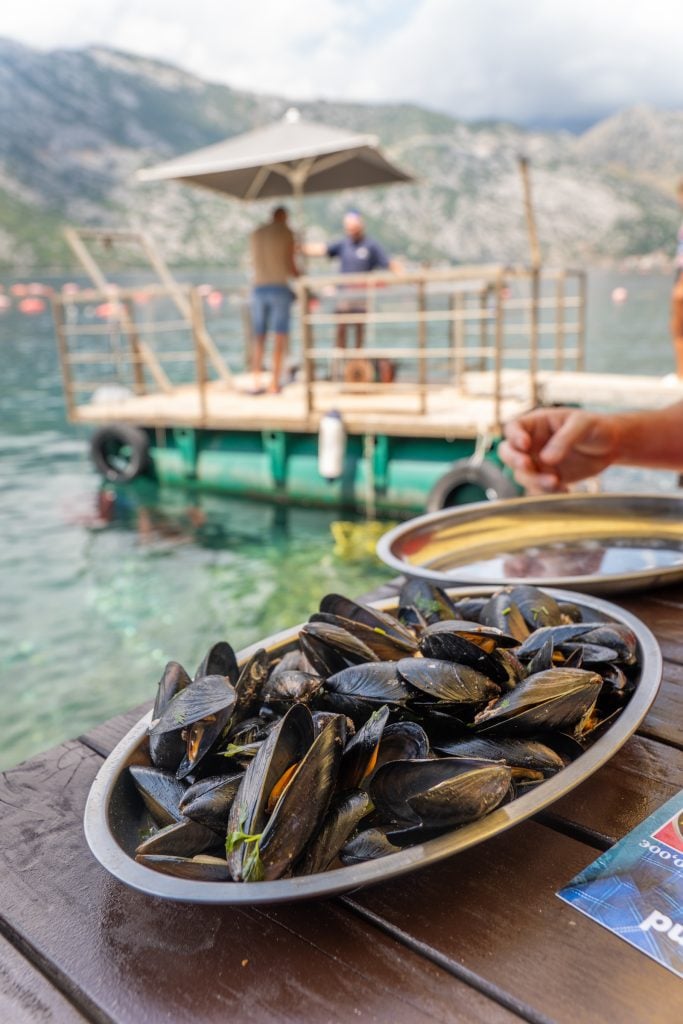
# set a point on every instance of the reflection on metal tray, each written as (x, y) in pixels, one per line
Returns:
(115, 816)
(603, 543)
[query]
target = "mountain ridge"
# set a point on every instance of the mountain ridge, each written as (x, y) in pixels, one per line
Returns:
(77, 124)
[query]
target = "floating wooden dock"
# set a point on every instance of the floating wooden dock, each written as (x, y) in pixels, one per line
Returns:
(448, 356)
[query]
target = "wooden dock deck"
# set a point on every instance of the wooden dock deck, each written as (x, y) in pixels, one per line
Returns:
(450, 410)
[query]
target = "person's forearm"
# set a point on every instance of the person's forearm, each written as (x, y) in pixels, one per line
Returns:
(652, 439)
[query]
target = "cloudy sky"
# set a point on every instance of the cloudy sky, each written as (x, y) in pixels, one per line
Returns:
(532, 61)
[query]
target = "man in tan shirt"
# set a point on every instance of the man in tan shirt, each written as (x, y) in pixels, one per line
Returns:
(273, 263)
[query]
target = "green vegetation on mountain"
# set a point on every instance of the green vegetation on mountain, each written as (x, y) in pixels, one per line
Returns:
(77, 124)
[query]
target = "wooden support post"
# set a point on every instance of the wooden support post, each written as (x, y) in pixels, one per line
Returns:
(422, 347)
(307, 344)
(140, 387)
(63, 349)
(199, 352)
(483, 326)
(534, 294)
(498, 354)
(581, 328)
(559, 321)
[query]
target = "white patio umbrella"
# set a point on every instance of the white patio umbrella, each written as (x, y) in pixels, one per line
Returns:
(291, 157)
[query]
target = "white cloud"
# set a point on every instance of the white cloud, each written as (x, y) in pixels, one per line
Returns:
(528, 60)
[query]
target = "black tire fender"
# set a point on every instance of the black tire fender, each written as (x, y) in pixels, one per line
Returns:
(486, 475)
(108, 442)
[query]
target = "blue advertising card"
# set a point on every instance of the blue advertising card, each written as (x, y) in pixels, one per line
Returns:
(636, 888)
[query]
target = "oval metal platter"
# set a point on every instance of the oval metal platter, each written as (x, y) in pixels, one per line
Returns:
(115, 816)
(598, 543)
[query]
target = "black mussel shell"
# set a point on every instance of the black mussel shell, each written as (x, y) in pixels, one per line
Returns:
(402, 741)
(501, 612)
(289, 686)
(376, 682)
(249, 685)
(360, 754)
(343, 817)
(422, 603)
(446, 680)
(542, 659)
(285, 747)
(348, 609)
(301, 808)
(521, 753)
(202, 698)
(183, 838)
(452, 646)
(167, 749)
(331, 648)
(367, 845)
(554, 699)
(469, 608)
(323, 718)
(219, 660)
(439, 792)
(537, 607)
(209, 800)
(618, 637)
(385, 646)
(202, 868)
(160, 791)
(569, 633)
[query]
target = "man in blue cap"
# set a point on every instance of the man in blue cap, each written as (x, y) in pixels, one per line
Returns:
(357, 254)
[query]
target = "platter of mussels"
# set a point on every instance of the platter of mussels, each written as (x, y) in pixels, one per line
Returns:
(367, 742)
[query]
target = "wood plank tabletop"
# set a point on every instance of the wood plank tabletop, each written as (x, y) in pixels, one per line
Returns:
(479, 937)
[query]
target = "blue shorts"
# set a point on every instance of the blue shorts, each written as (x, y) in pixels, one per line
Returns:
(270, 308)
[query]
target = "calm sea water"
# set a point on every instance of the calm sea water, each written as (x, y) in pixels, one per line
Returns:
(92, 605)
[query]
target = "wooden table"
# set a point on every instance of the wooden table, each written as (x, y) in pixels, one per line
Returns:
(479, 937)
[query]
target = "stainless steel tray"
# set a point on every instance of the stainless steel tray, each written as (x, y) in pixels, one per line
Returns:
(598, 544)
(115, 816)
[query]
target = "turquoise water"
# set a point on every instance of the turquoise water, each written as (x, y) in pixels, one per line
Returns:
(95, 597)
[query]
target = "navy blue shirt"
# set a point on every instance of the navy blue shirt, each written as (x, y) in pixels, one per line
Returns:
(358, 255)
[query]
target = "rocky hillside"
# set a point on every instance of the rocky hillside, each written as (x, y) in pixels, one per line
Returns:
(76, 124)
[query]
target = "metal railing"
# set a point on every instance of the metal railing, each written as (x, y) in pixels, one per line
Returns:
(461, 321)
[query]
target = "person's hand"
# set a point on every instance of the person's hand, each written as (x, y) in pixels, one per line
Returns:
(547, 449)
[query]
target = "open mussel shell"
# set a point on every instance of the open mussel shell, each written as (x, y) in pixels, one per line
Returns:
(517, 753)
(343, 818)
(445, 643)
(360, 754)
(446, 680)
(336, 604)
(385, 646)
(160, 791)
(300, 809)
(220, 660)
(202, 868)
(202, 698)
(209, 800)
(440, 791)
(555, 699)
(331, 648)
(166, 749)
(618, 637)
(285, 747)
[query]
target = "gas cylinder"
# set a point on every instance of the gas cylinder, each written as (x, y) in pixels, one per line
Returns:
(331, 445)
